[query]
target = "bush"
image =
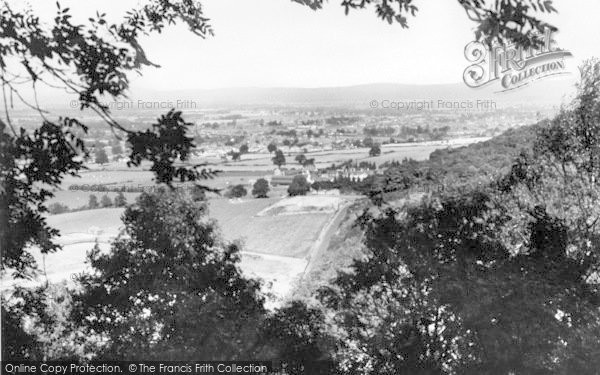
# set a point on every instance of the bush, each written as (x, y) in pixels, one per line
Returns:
(57, 208)
(299, 186)
(375, 150)
(260, 188)
(105, 201)
(120, 200)
(93, 202)
(100, 156)
(236, 191)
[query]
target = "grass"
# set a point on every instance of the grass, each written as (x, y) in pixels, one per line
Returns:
(344, 245)
(287, 235)
(108, 220)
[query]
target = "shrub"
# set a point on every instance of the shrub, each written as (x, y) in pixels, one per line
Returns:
(236, 191)
(299, 186)
(105, 201)
(93, 202)
(120, 200)
(57, 208)
(260, 188)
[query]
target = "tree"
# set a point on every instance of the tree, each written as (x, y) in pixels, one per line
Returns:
(235, 156)
(300, 159)
(368, 142)
(279, 158)
(309, 162)
(181, 294)
(562, 172)
(375, 150)
(260, 188)
(93, 202)
(100, 156)
(299, 186)
(57, 208)
(93, 61)
(300, 335)
(244, 149)
(120, 200)
(272, 147)
(497, 23)
(105, 201)
(116, 149)
(236, 191)
(198, 193)
(454, 299)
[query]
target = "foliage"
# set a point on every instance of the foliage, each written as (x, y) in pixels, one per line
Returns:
(100, 156)
(93, 202)
(497, 22)
(272, 147)
(244, 148)
(300, 334)
(347, 185)
(261, 188)
(120, 200)
(159, 295)
(105, 201)
(31, 163)
(236, 191)
(279, 158)
(57, 208)
(116, 149)
(299, 186)
(440, 293)
(174, 297)
(300, 159)
(43, 324)
(375, 150)
(17, 343)
(93, 61)
(477, 164)
(492, 278)
(562, 171)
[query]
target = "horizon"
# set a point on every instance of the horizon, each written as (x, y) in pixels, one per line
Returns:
(322, 48)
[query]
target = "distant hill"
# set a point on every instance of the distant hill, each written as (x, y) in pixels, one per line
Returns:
(546, 92)
(550, 91)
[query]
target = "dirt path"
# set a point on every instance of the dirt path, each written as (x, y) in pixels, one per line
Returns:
(322, 242)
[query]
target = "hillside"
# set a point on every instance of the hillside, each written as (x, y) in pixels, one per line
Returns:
(481, 162)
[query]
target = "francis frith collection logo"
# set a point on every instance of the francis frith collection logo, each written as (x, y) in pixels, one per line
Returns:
(512, 67)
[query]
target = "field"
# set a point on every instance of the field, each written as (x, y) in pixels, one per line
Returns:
(312, 204)
(283, 235)
(279, 235)
(276, 245)
(323, 159)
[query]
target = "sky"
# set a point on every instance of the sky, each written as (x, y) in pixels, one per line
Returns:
(279, 43)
